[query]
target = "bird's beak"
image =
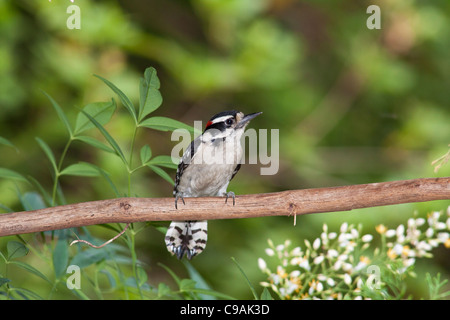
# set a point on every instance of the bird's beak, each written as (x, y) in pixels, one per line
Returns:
(246, 119)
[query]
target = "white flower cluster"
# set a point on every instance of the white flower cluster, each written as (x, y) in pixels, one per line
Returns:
(418, 238)
(334, 265)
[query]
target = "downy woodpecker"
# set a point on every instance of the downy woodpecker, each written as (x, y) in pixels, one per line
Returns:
(205, 170)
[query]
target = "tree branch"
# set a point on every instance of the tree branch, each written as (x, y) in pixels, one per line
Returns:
(292, 202)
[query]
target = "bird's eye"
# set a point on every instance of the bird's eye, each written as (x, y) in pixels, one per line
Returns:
(229, 122)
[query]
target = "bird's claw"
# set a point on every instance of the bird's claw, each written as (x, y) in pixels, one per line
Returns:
(178, 196)
(230, 194)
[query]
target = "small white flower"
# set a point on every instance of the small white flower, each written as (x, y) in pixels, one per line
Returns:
(440, 225)
(442, 236)
(344, 227)
(324, 237)
(330, 282)
(316, 244)
(398, 249)
(319, 287)
(422, 245)
(337, 265)
(332, 253)
(354, 233)
(347, 279)
(297, 251)
(305, 264)
(433, 218)
(390, 233)
(429, 233)
(276, 279)
(295, 274)
(400, 230)
(433, 242)
(262, 264)
(367, 238)
(420, 222)
(333, 235)
(311, 290)
(291, 287)
(322, 277)
(408, 262)
(307, 243)
(347, 267)
(361, 265)
(343, 257)
(270, 252)
(279, 248)
(359, 283)
(318, 259)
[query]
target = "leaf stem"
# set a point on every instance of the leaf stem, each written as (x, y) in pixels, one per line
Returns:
(58, 170)
(130, 163)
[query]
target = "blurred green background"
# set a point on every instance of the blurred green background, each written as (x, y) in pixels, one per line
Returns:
(353, 105)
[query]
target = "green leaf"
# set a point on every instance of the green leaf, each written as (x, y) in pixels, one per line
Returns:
(8, 143)
(41, 189)
(111, 279)
(163, 289)
(252, 289)
(26, 294)
(48, 152)
(199, 280)
(10, 174)
(108, 137)
(163, 161)
(265, 295)
(161, 173)
(150, 97)
(94, 143)
(85, 258)
(165, 124)
(100, 111)
(125, 100)
(31, 270)
(187, 284)
(142, 276)
(60, 113)
(16, 249)
(81, 169)
(60, 257)
(32, 201)
(5, 280)
(146, 154)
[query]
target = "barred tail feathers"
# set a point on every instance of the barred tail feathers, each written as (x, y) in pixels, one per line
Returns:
(187, 237)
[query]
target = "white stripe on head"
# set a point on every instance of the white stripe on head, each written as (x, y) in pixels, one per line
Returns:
(222, 119)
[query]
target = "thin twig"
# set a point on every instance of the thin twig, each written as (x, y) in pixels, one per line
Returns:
(102, 245)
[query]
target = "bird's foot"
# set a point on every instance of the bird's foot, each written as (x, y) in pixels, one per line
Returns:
(230, 194)
(179, 195)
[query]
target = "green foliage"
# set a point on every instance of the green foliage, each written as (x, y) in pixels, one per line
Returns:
(353, 105)
(57, 253)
